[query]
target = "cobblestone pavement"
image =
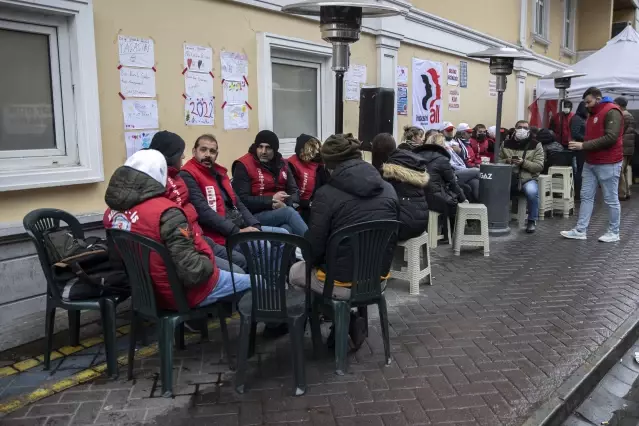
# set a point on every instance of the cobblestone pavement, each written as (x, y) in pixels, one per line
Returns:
(485, 345)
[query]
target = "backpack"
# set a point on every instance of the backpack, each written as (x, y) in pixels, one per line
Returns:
(82, 268)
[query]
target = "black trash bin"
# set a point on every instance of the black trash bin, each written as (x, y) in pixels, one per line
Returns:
(494, 193)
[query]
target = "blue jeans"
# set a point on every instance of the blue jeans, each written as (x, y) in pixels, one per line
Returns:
(531, 190)
(224, 287)
(606, 176)
(286, 217)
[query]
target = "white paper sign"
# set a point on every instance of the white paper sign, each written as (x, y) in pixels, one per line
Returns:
(137, 82)
(234, 66)
(351, 90)
(140, 114)
(198, 58)
(198, 85)
(235, 92)
(427, 94)
(199, 111)
(356, 73)
(492, 88)
(136, 52)
(136, 141)
(402, 75)
(453, 75)
(454, 100)
(236, 117)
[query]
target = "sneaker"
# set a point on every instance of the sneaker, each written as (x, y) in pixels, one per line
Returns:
(573, 234)
(609, 237)
(530, 227)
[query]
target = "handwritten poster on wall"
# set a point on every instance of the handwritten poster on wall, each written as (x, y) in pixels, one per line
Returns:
(351, 90)
(454, 102)
(140, 114)
(402, 75)
(463, 74)
(427, 93)
(452, 72)
(235, 92)
(402, 99)
(136, 141)
(198, 85)
(199, 111)
(136, 52)
(356, 73)
(234, 66)
(198, 58)
(236, 117)
(137, 82)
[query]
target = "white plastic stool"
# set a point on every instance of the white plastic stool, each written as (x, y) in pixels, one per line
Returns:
(412, 255)
(433, 229)
(545, 195)
(565, 207)
(562, 181)
(520, 216)
(466, 211)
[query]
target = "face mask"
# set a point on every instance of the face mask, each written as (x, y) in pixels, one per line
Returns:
(448, 138)
(522, 134)
(566, 110)
(481, 137)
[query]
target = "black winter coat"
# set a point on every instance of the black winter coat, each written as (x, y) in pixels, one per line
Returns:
(407, 173)
(355, 193)
(578, 123)
(443, 192)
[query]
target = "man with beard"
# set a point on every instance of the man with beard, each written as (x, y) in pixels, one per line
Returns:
(603, 147)
(264, 182)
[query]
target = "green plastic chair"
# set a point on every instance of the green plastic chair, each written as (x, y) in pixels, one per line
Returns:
(136, 252)
(369, 244)
(37, 223)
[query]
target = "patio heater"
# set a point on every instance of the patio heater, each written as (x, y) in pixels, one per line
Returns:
(494, 183)
(340, 25)
(563, 79)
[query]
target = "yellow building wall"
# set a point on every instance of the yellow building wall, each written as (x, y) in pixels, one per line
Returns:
(594, 23)
(220, 24)
(476, 106)
(556, 33)
(499, 18)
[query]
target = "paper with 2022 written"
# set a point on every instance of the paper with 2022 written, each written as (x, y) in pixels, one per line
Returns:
(199, 111)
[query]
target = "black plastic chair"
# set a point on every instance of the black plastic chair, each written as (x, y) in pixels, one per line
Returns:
(369, 243)
(269, 256)
(36, 223)
(136, 251)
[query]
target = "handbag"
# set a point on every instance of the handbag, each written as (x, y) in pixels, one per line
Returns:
(235, 216)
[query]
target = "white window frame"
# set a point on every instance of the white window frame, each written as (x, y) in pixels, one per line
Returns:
(569, 16)
(542, 38)
(295, 51)
(77, 158)
(287, 145)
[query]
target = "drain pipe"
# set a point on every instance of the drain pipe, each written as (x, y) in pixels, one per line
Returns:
(523, 24)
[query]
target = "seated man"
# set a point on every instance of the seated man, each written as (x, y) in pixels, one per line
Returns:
(308, 171)
(172, 147)
(136, 201)
(265, 184)
(471, 157)
(355, 193)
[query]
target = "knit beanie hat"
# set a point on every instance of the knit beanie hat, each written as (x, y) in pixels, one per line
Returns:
(544, 137)
(169, 144)
(340, 148)
(268, 137)
(150, 162)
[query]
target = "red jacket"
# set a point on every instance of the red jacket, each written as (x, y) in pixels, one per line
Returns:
(473, 158)
(565, 136)
(480, 148)
(211, 189)
(177, 192)
(144, 219)
(595, 129)
(305, 173)
(262, 180)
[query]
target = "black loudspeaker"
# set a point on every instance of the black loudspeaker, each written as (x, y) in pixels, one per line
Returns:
(376, 113)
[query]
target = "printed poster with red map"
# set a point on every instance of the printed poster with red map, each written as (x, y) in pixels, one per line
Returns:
(427, 94)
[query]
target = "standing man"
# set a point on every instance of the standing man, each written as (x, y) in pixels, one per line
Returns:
(603, 146)
(265, 184)
(562, 127)
(629, 135)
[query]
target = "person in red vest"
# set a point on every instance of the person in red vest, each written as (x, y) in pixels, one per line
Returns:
(562, 128)
(308, 170)
(479, 142)
(172, 147)
(603, 146)
(265, 184)
(137, 203)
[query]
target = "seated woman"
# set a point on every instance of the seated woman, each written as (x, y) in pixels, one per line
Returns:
(413, 137)
(407, 173)
(443, 192)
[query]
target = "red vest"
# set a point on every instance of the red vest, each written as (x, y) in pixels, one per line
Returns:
(177, 192)
(262, 180)
(595, 129)
(565, 136)
(211, 189)
(144, 219)
(305, 174)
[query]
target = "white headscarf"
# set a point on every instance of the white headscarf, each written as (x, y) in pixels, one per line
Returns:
(491, 131)
(150, 162)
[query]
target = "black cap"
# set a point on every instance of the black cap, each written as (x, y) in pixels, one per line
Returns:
(170, 145)
(268, 137)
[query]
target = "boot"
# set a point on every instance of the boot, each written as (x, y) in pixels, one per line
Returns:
(530, 227)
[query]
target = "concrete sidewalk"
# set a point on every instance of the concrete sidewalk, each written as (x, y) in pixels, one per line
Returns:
(487, 344)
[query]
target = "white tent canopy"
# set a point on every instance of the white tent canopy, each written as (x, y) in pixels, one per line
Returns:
(614, 69)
